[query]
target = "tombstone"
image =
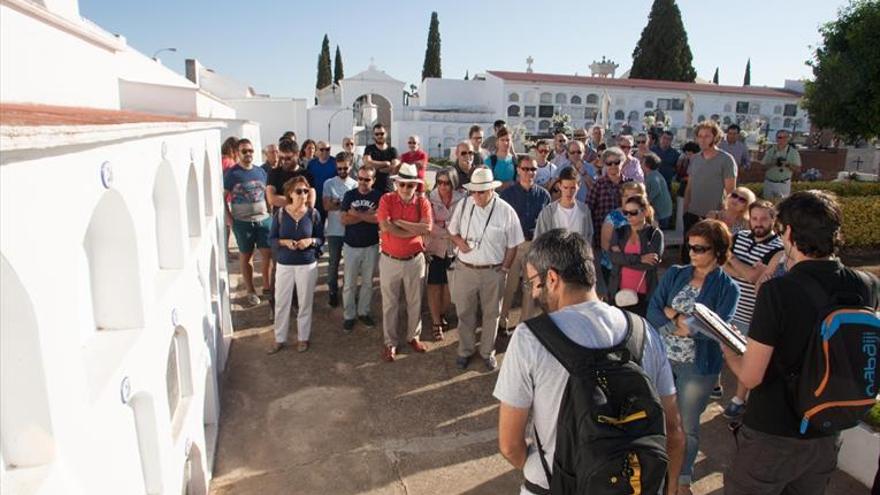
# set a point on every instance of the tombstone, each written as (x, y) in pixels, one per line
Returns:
(863, 161)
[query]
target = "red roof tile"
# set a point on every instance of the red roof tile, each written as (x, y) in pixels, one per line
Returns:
(29, 114)
(526, 77)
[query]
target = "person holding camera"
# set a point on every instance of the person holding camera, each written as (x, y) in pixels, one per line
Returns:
(781, 161)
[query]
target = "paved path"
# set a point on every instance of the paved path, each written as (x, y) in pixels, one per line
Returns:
(338, 420)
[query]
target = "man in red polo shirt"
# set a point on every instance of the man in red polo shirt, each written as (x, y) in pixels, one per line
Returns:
(404, 217)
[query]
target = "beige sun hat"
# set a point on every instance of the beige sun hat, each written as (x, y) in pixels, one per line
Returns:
(482, 180)
(407, 172)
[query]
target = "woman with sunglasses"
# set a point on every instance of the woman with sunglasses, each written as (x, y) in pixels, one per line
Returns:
(636, 250)
(443, 198)
(297, 231)
(736, 210)
(695, 359)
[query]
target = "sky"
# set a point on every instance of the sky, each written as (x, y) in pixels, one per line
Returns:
(274, 46)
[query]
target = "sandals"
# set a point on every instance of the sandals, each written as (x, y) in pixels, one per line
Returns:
(438, 330)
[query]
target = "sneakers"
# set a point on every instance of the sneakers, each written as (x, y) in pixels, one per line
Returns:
(253, 299)
(367, 320)
(717, 393)
(388, 353)
(276, 346)
(418, 346)
(334, 300)
(348, 326)
(734, 410)
(462, 362)
(491, 363)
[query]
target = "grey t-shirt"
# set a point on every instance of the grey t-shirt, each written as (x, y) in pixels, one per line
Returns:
(531, 378)
(706, 180)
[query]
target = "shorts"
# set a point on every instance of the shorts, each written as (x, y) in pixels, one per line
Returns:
(252, 234)
(437, 270)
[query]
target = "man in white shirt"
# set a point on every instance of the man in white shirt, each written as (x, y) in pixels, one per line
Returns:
(485, 231)
(334, 189)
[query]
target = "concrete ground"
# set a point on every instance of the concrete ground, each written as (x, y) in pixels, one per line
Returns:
(338, 420)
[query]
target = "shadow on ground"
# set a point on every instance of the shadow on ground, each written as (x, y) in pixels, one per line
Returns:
(338, 420)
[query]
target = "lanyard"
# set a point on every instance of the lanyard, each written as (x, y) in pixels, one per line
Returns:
(470, 217)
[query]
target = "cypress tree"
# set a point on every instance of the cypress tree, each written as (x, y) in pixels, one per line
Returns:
(747, 79)
(325, 77)
(467, 75)
(338, 72)
(715, 77)
(431, 67)
(663, 51)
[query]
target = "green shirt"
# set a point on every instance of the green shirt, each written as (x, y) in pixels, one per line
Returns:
(780, 174)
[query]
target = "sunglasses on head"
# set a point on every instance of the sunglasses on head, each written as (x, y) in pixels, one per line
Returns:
(696, 248)
(631, 213)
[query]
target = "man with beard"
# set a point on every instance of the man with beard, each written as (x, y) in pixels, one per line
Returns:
(381, 157)
(752, 251)
(561, 277)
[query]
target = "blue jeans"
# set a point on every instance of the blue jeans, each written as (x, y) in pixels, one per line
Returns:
(358, 261)
(334, 246)
(693, 396)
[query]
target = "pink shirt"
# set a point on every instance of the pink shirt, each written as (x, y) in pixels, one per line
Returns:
(631, 278)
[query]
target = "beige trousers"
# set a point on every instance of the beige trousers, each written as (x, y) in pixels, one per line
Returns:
(517, 272)
(472, 289)
(401, 282)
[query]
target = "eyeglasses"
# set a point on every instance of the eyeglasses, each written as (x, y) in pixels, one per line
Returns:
(246, 151)
(696, 248)
(739, 198)
(615, 163)
(529, 169)
(444, 183)
(378, 134)
(365, 179)
(529, 285)
(406, 185)
(466, 153)
(631, 213)
(300, 192)
(578, 152)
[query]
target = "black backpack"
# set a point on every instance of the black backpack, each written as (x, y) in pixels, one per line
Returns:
(838, 381)
(611, 430)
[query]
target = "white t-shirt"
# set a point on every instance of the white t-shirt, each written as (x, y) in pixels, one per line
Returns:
(489, 231)
(569, 218)
(531, 378)
(335, 188)
(545, 173)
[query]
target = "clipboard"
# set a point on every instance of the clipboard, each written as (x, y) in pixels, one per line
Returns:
(708, 323)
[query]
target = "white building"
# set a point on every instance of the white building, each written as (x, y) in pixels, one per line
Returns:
(114, 307)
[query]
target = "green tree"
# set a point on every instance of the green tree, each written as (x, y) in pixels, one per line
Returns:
(845, 94)
(325, 77)
(663, 51)
(467, 75)
(747, 79)
(338, 72)
(431, 67)
(715, 77)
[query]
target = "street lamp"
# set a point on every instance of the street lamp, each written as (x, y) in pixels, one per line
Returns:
(330, 121)
(169, 49)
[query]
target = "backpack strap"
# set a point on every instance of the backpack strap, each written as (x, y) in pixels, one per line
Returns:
(493, 159)
(571, 355)
(635, 340)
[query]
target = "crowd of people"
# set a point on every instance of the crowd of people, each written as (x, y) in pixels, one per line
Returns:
(574, 229)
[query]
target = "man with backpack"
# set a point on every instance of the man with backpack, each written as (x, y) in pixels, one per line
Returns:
(595, 381)
(811, 344)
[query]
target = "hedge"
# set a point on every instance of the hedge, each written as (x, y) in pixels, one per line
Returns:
(843, 189)
(861, 220)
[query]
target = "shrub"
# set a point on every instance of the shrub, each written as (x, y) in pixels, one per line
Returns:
(861, 220)
(843, 189)
(873, 417)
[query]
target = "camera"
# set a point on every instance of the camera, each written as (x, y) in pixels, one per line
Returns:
(780, 162)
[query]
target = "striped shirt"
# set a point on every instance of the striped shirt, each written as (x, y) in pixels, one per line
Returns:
(751, 251)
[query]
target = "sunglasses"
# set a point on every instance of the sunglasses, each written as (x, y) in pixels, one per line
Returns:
(615, 163)
(444, 183)
(300, 191)
(631, 213)
(379, 134)
(466, 153)
(406, 185)
(626, 147)
(477, 138)
(342, 169)
(696, 248)
(474, 193)
(738, 197)
(543, 152)
(529, 169)
(325, 149)
(578, 152)
(365, 179)
(641, 142)
(412, 142)
(245, 152)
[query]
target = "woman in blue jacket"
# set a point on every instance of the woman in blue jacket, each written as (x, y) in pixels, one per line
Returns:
(297, 233)
(695, 359)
